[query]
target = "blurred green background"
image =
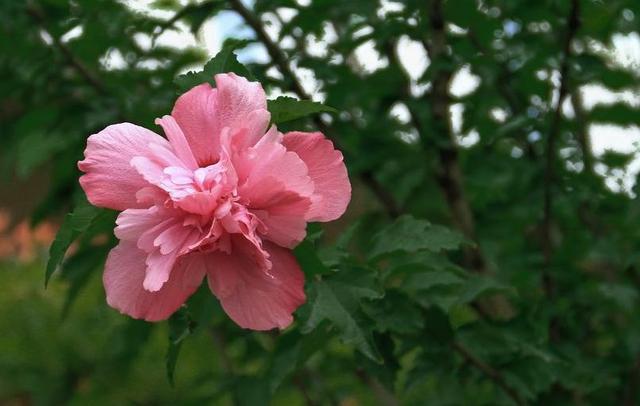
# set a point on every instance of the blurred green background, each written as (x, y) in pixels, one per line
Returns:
(491, 252)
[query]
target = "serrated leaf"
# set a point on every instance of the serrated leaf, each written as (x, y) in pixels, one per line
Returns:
(482, 285)
(224, 62)
(408, 234)
(338, 303)
(285, 109)
(74, 224)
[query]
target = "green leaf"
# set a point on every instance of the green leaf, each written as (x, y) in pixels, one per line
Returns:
(615, 159)
(181, 326)
(437, 325)
(339, 302)
(78, 270)
(624, 296)
(308, 259)
(427, 280)
(478, 286)
(408, 234)
(225, 61)
(126, 342)
(619, 113)
(73, 226)
(286, 108)
(395, 313)
(292, 350)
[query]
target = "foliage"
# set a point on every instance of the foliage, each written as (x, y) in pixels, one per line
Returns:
(497, 272)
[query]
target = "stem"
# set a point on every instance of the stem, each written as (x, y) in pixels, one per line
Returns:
(280, 59)
(489, 371)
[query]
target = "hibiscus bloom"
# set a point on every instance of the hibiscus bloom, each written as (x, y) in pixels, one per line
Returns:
(223, 196)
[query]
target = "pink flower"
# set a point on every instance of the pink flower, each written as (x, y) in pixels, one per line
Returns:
(224, 196)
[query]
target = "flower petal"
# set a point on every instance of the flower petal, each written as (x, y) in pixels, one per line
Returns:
(242, 104)
(270, 159)
(123, 278)
(203, 112)
(282, 212)
(332, 191)
(178, 141)
(275, 185)
(194, 112)
(109, 180)
(252, 298)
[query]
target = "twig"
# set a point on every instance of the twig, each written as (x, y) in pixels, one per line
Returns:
(489, 371)
(280, 59)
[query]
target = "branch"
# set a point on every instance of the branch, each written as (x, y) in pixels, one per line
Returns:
(452, 187)
(573, 24)
(450, 175)
(278, 57)
(489, 371)
(281, 60)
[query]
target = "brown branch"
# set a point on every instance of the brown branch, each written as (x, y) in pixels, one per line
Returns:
(489, 371)
(280, 59)
(450, 175)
